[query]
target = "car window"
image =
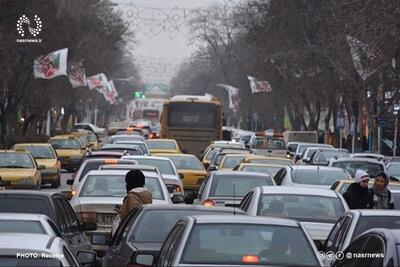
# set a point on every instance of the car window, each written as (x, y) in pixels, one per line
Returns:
(89, 166)
(262, 169)
(232, 161)
(164, 260)
(225, 185)
(73, 223)
(164, 166)
(39, 152)
(21, 226)
(188, 163)
(168, 145)
(29, 262)
(244, 205)
(280, 176)
(202, 187)
(24, 205)
(317, 176)
(323, 157)
(64, 143)
(371, 168)
(365, 223)
(337, 234)
(54, 227)
(125, 227)
(61, 215)
(68, 256)
(16, 161)
(355, 247)
(282, 162)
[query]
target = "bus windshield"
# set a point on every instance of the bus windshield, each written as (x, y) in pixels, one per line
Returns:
(187, 115)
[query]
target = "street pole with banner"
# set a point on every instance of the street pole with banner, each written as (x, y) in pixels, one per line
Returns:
(396, 123)
(353, 132)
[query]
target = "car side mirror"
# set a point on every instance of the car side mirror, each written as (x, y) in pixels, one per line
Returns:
(247, 146)
(86, 257)
(212, 168)
(206, 165)
(236, 168)
(177, 198)
(184, 151)
(67, 194)
(89, 226)
(41, 167)
(70, 181)
(181, 176)
(101, 240)
(145, 259)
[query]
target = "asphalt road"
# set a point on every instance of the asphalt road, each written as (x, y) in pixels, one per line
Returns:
(63, 187)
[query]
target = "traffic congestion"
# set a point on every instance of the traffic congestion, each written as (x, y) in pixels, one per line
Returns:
(128, 196)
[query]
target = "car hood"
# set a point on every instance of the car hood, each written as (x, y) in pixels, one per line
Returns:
(318, 231)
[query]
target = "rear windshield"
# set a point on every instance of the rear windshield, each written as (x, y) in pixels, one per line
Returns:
(39, 152)
(236, 185)
(168, 145)
(24, 205)
(317, 176)
(164, 166)
(21, 226)
(371, 168)
(187, 163)
(232, 161)
(65, 144)
(368, 222)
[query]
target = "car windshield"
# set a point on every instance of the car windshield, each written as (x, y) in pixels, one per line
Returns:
(318, 176)
(12, 260)
(371, 168)
(394, 170)
(94, 165)
(167, 145)
(232, 161)
(226, 185)
(323, 157)
(282, 162)
(303, 147)
(366, 223)
(262, 169)
(237, 244)
(141, 145)
(65, 144)
(164, 166)
(39, 152)
(114, 186)
(150, 230)
(217, 159)
(186, 163)
(301, 207)
(16, 160)
(21, 226)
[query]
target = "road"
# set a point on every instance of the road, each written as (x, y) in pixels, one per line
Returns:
(63, 187)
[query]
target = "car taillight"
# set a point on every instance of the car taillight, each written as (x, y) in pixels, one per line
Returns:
(208, 203)
(250, 259)
(89, 217)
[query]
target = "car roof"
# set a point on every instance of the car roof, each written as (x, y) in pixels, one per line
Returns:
(298, 190)
(189, 207)
(315, 167)
(22, 216)
(240, 173)
(36, 242)
(33, 144)
(260, 165)
(119, 146)
(133, 157)
(27, 193)
(241, 219)
(161, 139)
(235, 155)
(105, 153)
(64, 136)
(376, 212)
(179, 155)
(116, 172)
(357, 159)
(89, 160)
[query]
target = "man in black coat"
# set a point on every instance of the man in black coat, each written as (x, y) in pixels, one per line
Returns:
(357, 195)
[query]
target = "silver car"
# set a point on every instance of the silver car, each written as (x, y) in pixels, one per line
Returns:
(351, 165)
(317, 209)
(227, 188)
(229, 240)
(142, 145)
(125, 137)
(39, 250)
(101, 191)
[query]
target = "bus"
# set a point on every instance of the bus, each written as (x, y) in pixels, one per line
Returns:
(193, 121)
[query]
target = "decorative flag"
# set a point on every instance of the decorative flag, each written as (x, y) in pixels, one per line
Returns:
(76, 75)
(111, 95)
(259, 86)
(51, 65)
(97, 81)
(233, 93)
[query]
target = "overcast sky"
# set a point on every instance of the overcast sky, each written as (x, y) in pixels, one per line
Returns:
(174, 45)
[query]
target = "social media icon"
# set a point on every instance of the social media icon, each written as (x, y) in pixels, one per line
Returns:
(321, 255)
(330, 255)
(349, 255)
(339, 255)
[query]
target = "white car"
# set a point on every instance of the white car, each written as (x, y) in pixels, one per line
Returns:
(317, 209)
(28, 223)
(303, 146)
(125, 137)
(142, 145)
(310, 176)
(351, 165)
(101, 191)
(167, 169)
(393, 169)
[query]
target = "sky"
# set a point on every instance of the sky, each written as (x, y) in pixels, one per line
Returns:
(159, 51)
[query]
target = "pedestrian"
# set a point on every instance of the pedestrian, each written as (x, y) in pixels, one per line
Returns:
(137, 195)
(380, 195)
(357, 195)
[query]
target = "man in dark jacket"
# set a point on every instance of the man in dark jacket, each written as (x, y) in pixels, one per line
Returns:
(357, 195)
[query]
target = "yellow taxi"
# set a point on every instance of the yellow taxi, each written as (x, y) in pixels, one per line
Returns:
(189, 168)
(230, 161)
(69, 151)
(341, 186)
(161, 146)
(19, 170)
(263, 168)
(91, 138)
(83, 141)
(46, 156)
(267, 160)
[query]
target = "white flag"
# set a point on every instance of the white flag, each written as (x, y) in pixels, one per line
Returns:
(233, 93)
(51, 65)
(97, 81)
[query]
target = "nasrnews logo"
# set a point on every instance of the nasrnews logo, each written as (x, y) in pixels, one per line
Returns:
(332, 256)
(33, 31)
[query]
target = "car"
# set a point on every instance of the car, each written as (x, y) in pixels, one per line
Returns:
(142, 145)
(322, 156)
(101, 191)
(167, 169)
(267, 160)
(227, 188)
(371, 166)
(228, 240)
(189, 168)
(220, 154)
(100, 132)
(310, 176)
(160, 146)
(94, 142)
(393, 170)
(212, 149)
(230, 161)
(93, 164)
(142, 232)
(341, 186)
(317, 209)
(126, 149)
(103, 155)
(369, 156)
(355, 222)
(41, 250)
(306, 155)
(69, 151)
(303, 146)
(56, 207)
(26, 223)
(19, 170)
(376, 247)
(46, 156)
(262, 168)
(125, 137)
(83, 139)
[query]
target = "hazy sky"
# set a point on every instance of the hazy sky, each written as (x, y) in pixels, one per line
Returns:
(170, 46)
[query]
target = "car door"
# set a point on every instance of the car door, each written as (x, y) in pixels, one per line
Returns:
(336, 237)
(245, 204)
(171, 245)
(279, 177)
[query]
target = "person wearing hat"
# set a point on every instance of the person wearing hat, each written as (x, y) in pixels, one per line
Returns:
(380, 195)
(137, 195)
(357, 195)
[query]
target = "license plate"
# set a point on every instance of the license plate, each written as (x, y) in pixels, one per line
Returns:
(108, 219)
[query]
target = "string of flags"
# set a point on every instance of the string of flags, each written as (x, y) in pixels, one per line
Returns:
(55, 64)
